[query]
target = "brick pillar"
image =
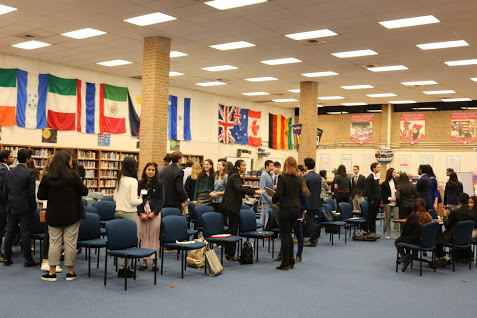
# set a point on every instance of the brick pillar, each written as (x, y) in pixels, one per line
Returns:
(385, 136)
(308, 120)
(155, 100)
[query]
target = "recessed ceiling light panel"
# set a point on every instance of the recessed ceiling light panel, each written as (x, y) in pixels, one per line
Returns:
(448, 91)
(83, 33)
(219, 68)
(255, 93)
(311, 34)
(330, 97)
(297, 90)
(149, 19)
(114, 63)
(418, 83)
(210, 83)
(388, 68)
(287, 60)
(402, 102)
(353, 104)
(442, 45)
(461, 62)
(357, 86)
(382, 95)
(232, 45)
(450, 100)
(402, 23)
(177, 54)
(284, 100)
(31, 45)
(347, 54)
(320, 74)
(6, 9)
(230, 4)
(261, 79)
(175, 74)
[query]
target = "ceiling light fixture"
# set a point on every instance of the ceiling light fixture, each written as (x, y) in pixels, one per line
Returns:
(210, 83)
(424, 108)
(219, 68)
(320, 74)
(230, 4)
(5, 9)
(353, 104)
(311, 34)
(319, 105)
(330, 97)
(388, 68)
(402, 102)
(402, 23)
(175, 74)
(261, 79)
(448, 91)
(382, 95)
(461, 62)
(83, 33)
(255, 93)
(177, 54)
(418, 83)
(474, 79)
(374, 110)
(343, 55)
(336, 113)
(357, 86)
(297, 90)
(450, 100)
(232, 45)
(442, 45)
(114, 63)
(287, 60)
(149, 19)
(468, 108)
(31, 45)
(284, 100)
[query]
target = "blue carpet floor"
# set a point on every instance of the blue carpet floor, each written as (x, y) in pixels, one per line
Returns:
(356, 279)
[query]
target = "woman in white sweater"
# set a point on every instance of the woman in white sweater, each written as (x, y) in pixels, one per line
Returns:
(127, 200)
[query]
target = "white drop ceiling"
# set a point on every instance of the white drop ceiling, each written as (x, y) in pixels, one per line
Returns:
(198, 26)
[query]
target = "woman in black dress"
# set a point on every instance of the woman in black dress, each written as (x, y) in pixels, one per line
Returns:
(341, 187)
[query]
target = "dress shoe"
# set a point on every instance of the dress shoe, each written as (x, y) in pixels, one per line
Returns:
(283, 266)
(292, 263)
(232, 258)
(310, 244)
(7, 262)
(404, 258)
(278, 258)
(142, 268)
(405, 265)
(31, 263)
(298, 259)
(1, 259)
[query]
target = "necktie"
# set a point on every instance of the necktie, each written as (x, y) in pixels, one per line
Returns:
(355, 180)
(275, 180)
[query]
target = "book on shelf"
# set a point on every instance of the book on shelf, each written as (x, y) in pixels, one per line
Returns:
(83, 154)
(107, 155)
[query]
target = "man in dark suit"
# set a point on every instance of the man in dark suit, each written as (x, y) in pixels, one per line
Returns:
(313, 182)
(6, 159)
(172, 177)
(373, 192)
(357, 188)
(19, 196)
(424, 186)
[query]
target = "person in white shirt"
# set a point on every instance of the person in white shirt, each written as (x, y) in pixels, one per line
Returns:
(187, 170)
(357, 188)
(127, 201)
(388, 192)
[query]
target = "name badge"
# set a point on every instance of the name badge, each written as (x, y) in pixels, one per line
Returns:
(144, 191)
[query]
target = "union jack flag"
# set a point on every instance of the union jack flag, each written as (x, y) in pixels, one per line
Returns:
(226, 124)
(237, 116)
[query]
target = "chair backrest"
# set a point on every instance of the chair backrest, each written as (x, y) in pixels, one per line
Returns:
(108, 199)
(429, 234)
(248, 221)
(331, 203)
(321, 216)
(89, 227)
(170, 211)
(199, 210)
(463, 232)
(245, 207)
(213, 223)
(95, 194)
(105, 209)
(351, 203)
(37, 226)
(433, 214)
(85, 202)
(363, 205)
(174, 228)
(192, 210)
(346, 210)
(122, 234)
(90, 209)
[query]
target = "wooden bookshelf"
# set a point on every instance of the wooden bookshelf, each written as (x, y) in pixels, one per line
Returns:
(253, 182)
(195, 158)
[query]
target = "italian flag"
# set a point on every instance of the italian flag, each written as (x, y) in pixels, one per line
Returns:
(113, 109)
(280, 132)
(13, 84)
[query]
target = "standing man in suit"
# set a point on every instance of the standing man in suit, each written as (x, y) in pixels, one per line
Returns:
(266, 181)
(357, 188)
(172, 176)
(424, 186)
(276, 171)
(373, 192)
(6, 159)
(313, 182)
(19, 196)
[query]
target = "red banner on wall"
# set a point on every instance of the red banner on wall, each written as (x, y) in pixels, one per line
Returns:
(413, 127)
(361, 128)
(464, 127)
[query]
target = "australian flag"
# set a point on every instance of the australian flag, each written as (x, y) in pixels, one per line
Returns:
(233, 122)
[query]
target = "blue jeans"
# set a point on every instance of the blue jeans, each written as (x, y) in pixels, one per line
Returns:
(265, 215)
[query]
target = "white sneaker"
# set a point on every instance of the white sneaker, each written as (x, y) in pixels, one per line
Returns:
(46, 267)
(388, 237)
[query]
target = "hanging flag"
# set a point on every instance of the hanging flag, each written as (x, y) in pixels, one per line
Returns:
(253, 128)
(113, 108)
(134, 119)
(13, 83)
(179, 119)
(240, 130)
(226, 124)
(86, 120)
(296, 130)
(279, 132)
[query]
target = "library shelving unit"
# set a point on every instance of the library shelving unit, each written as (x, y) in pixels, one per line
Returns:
(101, 166)
(195, 158)
(253, 182)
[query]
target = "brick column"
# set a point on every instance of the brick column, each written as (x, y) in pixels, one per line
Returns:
(155, 100)
(308, 120)
(386, 109)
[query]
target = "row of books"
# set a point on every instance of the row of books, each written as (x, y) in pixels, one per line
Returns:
(110, 165)
(109, 155)
(108, 174)
(91, 183)
(89, 174)
(107, 192)
(108, 183)
(252, 183)
(14, 150)
(88, 164)
(83, 154)
(193, 158)
(39, 163)
(123, 155)
(42, 152)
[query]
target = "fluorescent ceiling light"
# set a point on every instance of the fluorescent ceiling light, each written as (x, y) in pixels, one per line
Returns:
(149, 19)
(177, 54)
(336, 113)
(449, 91)
(469, 108)
(294, 90)
(83, 33)
(449, 100)
(416, 83)
(232, 45)
(219, 68)
(319, 105)
(320, 74)
(261, 79)
(114, 63)
(402, 102)
(387, 68)
(287, 60)
(382, 95)
(442, 45)
(402, 23)
(311, 34)
(284, 100)
(474, 79)
(330, 97)
(230, 4)
(175, 73)
(461, 62)
(343, 55)
(30, 45)
(353, 104)
(5, 9)
(374, 110)
(210, 83)
(424, 108)
(255, 93)
(357, 86)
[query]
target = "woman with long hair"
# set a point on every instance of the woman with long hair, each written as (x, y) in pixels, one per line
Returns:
(127, 201)
(406, 194)
(301, 216)
(341, 187)
(152, 190)
(205, 184)
(191, 180)
(411, 232)
(221, 177)
(63, 188)
(390, 207)
(288, 193)
(325, 188)
(435, 194)
(451, 194)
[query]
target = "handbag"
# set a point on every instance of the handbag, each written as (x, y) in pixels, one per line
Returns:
(196, 257)
(213, 263)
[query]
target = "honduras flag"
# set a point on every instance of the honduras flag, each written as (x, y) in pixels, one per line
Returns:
(179, 119)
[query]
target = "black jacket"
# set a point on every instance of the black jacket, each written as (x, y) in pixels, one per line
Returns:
(406, 200)
(372, 189)
(289, 191)
(451, 194)
(424, 189)
(189, 187)
(313, 182)
(412, 229)
(19, 190)
(463, 213)
(358, 189)
(234, 191)
(386, 191)
(173, 177)
(155, 195)
(65, 206)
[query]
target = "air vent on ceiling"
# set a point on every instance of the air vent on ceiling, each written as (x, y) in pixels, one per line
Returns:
(263, 101)
(137, 77)
(366, 66)
(313, 41)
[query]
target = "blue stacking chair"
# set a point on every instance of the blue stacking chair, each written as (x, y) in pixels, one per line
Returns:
(213, 225)
(107, 199)
(248, 230)
(199, 210)
(462, 239)
(175, 230)
(339, 224)
(37, 232)
(427, 243)
(89, 237)
(192, 215)
(90, 209)
(331, 203)
(106, 210)
(347, 216)
(245, 207)
(85, 202)
(364, 211)
(165, 212)
(122, 242)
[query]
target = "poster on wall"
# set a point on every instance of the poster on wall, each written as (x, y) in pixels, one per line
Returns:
(427, 159)
(404, 164)
(296, 130)
(104, 140)
(49, 135)
(367, 161)
(325, 162)
(413, 127)
(453, 162)
(361, 128)
(464, 127)
(346, 160)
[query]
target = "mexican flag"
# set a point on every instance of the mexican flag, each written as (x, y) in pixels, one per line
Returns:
(113, 109)
(13, 92)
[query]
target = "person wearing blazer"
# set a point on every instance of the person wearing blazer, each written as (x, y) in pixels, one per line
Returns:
(172, 176)
(314, 183)
(388, 192)
(406, 194)
(357, 188)
(20, 204)
(424, 186)
(6, 159)
(373, 192)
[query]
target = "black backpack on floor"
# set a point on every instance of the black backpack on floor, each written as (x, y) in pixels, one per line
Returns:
(246, 257)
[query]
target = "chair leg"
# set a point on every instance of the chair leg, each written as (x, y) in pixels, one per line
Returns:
(345, 233)
(453, 259)
(135, 267)
(155, 271)
(105, 265)
(273, 248)
(420, 264)
(97, 264)
(182, 260)
(222, 253)
(256, 244)
(125, 275)
(89, 260)
(162, 260)
(397, 260)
